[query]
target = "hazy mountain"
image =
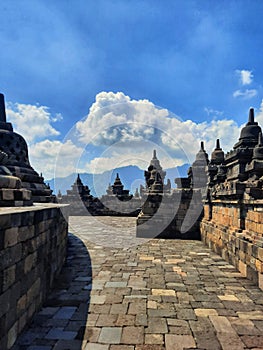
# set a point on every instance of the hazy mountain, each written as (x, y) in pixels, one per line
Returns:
(131, 177)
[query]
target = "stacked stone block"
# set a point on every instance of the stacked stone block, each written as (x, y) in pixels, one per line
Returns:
(233, 213)
(234, 230)
(32, 252)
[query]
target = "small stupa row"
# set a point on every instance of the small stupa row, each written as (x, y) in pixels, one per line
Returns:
(236, 175)
(20, 184)
(116, 201)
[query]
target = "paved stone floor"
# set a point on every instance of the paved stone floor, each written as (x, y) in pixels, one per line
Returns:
(157, 295)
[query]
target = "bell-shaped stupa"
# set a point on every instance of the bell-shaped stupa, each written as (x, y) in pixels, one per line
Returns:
(15, 146)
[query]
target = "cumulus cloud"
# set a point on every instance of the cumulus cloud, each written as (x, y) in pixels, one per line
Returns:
(132, 125)
(37, 117)
(34, 123)
(119, 158)
(55, 157)
(259, 115)
(120, 131)
(246, 94)
(114, 117)
(245, 76)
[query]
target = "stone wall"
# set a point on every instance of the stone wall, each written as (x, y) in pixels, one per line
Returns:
(176, 215)
(32, 251)
(234, 229)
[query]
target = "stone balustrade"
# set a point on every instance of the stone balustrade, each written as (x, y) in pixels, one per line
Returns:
(32, 251)
(234, 229)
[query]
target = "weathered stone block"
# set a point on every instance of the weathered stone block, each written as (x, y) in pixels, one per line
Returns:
(5, 302)
(260, 254)
(30, 262)
(11, 237)
(22, 322)
(10, 256)
(12, 335)
(242, 268)
(23, 257)
(9, 276)
(25, 233)
(7, 194)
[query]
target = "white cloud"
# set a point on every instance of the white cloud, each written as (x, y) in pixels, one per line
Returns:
(55, 158)
(33, 122)
(132, 126)
(245, 76)
(114, 117)
(246, 94)
(126, 132)
(259, 116)
(119, 158)
(213, 112)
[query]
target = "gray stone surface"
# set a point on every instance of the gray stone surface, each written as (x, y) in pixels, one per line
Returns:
(190, 299)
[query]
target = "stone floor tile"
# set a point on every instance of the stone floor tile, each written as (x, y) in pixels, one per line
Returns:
(65, 312)
(97, 299)
(68, 345)
(226, 334)
(110, 335)
(92, 319)
(156, 325)
(251, 315)
(163, 292)
(179, 342)
(116, 284)
(106, 320)
(90, 334)
(125, 320)
(137, 307)
(202, 297)
(228, 297)
(253, 341)
(151, 304)
(150, 347)
(186, 314)
(205, 312)
(119, 309)
(132, 335)
(122, 347)
(154, 339)
(48, 311)
(59, 333)
(94, 346)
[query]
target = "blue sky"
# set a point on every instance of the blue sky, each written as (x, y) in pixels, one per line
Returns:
(201, 60)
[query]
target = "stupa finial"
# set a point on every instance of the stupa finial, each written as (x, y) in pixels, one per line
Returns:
(251, 118)
(2, 109)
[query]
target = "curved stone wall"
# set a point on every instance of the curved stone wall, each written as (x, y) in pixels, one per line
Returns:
(32, 251)
(234, 229)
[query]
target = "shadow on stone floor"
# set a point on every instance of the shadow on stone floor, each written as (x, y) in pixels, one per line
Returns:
(61, 323)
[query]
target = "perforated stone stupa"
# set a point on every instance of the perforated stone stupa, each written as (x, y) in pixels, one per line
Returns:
(239, 173)
(11, 192)
(80, 200)
(119, 201)
(15, 146)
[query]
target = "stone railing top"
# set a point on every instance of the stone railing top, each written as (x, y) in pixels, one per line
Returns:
(34, 207)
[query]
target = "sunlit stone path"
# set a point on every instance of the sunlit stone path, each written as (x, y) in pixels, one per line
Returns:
(121, 293)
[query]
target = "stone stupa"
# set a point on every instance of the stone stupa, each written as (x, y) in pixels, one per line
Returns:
(15, 147)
